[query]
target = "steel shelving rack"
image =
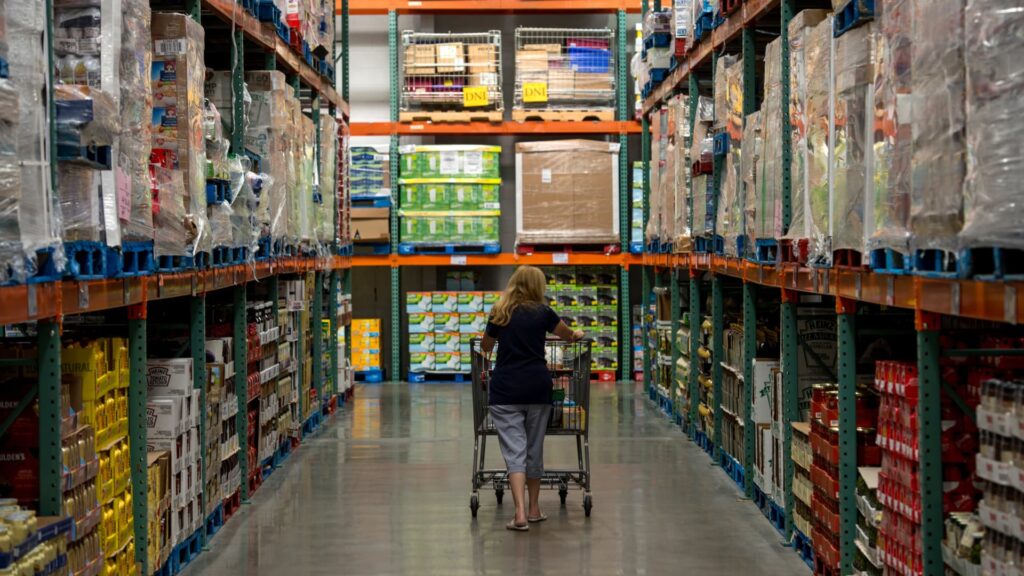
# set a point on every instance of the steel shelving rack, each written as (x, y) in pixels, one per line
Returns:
(927, 298)
(623, 126)
(47, 304)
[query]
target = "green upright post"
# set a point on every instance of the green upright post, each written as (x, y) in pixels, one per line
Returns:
(270, 61)
(695, 322)
(316, 331)
(645, 160)
(238, 93)
(396, 325)
(240, 345)
(194, 8)
(717, 343)
(137, 356)
(197, 343)
(847, 319)
(749, 354)
(787, 10)
(622, 99)
(674, 298)
(625, 323)
(345, 50)
(348, 330)
(929, 418)
(648, 327)
(790, 393)
(694, 97)
(332, 315)
(50, 462)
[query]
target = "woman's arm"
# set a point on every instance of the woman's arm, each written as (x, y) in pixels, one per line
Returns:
(487, 344)
(566, 333)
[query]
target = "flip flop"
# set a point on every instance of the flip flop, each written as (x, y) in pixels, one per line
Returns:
(536, 519)
(516, 527)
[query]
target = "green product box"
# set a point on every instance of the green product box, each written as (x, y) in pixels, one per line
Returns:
(586, 295)
(472, 322)
(466, 340)
(608, 295)
(465, 363)
(476, 229)
(447, 361)
(425, 229)
(451, 162)
(423, 342)
(606, 338)
(410, 165)
(585, 317)
(445, 301)
(607, 316)
(418, 301)
(421, 361)
(490, 299)
(471, 302)
(446, 322)
(470, 196)
(446, 342)
(565, 295)
(490, 196)
(424, 197)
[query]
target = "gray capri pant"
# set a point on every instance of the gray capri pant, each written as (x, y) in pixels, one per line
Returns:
(521, 430)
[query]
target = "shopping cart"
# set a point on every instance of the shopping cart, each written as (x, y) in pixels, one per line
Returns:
(569, 363)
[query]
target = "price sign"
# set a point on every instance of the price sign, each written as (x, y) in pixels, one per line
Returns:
(474, 96)
(458, 260)
(535, 92)
(559, 258)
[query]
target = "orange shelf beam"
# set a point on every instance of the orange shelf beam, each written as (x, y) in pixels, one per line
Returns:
(507, 128)
(377, 7)
(504, 259)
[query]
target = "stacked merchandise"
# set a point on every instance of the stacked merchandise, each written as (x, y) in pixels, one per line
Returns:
(309, 401)
(369, 174)
(100, 377)
(678, 174)
(868, 559)
(158, 507)
(803, 489)
(222, 470)
(636, 219)
(290, 311)
(763, 199)
(656, 57)
(656, 197)
(705, 384)
(639, 321)
(310, 27)
(727, 210)
(587, 298)
(450, 196)
(366, 344)
(898, 434)
(179, 150)
(564, 74)
(264, 335)
(442, 326)
(682, 14)
(227, 202)
(962, 548)
(81, 490)
(824, 440)
(327, 201)
(210, 451)
(734, 398)
(451, 76)
(766, 416)
(682, 369)
(701, 167)
(567, 192)
(173, 409)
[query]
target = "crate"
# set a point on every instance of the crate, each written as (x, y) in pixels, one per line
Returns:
(564, 69)
(450, 77)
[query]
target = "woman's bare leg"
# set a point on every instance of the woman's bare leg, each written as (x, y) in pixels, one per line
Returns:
(533, 484)
(517, 482)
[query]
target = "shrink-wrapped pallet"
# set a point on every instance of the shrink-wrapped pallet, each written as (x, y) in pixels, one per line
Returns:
(682, 237)
(853, 119)
(729, 120)
(328, 180)
(752, 185)
(801, 29)
(700, 149)
(993, 212)
(764, 201)
(939, 150)
(268, 137)
(817, 152)
(136, 102)
(890, 202)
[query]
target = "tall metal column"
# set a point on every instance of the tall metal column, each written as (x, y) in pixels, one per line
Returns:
(717, 344)
(648, 326)
(316, 331)
(197, 344)
(332, 315)
(622, 98)
(790, 393)
(674, 298)
(694, 97)
(396, 324)
(846, 311)
(625, 325)
(749, 354)
(695, 321)
(238, 92)
(345, 50)
(787, 10)
(929, 418)
(240, 345)
(137, 358)
(50, 462)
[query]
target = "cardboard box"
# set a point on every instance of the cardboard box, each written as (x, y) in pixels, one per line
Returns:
(561, 80)
(591, 81)
(423, 342)
(421, 322)
(490, 299)
(471, 302)
(165, 417)
(451, 58)
(421, 361)
(446, 322)
(554, 51)
(366, 326)
(172, 377)
(418, 301)
(371, 224)
(447, 361)
(567, 192)
(445, 342)
(473, 322)
(483, 64)
(531, 61)
(420, 60)
(445, 302)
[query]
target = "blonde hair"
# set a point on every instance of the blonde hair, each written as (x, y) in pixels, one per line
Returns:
(526, 287)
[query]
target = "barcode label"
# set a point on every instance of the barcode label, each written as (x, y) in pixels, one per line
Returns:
(449, 162)
(169, 47)
(488, 79)
(473, 163)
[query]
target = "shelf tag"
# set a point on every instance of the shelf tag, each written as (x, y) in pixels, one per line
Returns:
(126, 295)
(1010, 304)
(83, 295)
(560, 258)
(458, 261)
(954, 299)
(33, 304)
(475, 96)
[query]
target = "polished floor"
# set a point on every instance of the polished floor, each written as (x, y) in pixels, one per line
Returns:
(385, 490)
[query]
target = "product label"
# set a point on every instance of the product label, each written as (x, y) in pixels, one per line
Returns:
(169, 47)
(473, 163)
(488, 79)
(545, 176)
(449, 162)
(446, 52)
(535, 92)
(475, 96)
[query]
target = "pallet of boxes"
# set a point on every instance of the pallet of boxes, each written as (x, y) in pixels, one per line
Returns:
(442, 327)
(564, 75)
(451, 77)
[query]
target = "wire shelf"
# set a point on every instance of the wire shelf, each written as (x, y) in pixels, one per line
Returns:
(448, 72)
(565, 69)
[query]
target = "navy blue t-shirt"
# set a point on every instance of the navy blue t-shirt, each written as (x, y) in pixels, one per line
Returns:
(520, 375)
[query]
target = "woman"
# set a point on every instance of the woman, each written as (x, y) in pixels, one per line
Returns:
(520, 386)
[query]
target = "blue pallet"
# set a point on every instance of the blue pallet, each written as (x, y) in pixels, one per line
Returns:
(426, 377)
(717, 244)
(267, 467)
(658, 75)
(90, 260)
(702, 26)
(41, 268)
(266, 11)
(371, 202)
(407, 248)
(283, 452)
(802, 546)
(174, 263)
(855, 13)
(371, 376)
(766, 251)
(990, 264)
(4, 69)
(636, 247)
(889, 261)
(283, 31)
(282, 248)
(721, 144)
(136, 259)
(263, 248)
(741, 245)
(229, 255)
(97, 157)
(934, 263)
(733, 469)
(184, 553)
(215, 521)
(345, 249)
(660, 40)
(217, 191)
(703, 441)
(312, 424)
(377, 249)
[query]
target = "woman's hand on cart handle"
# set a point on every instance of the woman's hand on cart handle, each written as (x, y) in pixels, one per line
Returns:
(577, 335)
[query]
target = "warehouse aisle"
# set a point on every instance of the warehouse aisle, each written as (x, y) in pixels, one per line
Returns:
(385, 490)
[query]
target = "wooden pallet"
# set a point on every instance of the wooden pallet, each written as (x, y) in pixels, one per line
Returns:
(565, 115)
(451, 116)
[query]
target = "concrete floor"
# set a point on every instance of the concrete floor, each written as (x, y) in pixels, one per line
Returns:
(385, 490)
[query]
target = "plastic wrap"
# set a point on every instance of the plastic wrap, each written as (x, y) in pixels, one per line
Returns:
(993, 211)
(168, 211)
(369, 173)
(178, 135)
(658, 122)
(567, 192)
(890, 203)
(722, 89)
(939, 150)
(669, 194)
(801, 28)
(575, 66)
(751, 169)
(853, 136)
(729, 119)
(267, 139)
(764, 201)
(682, 235)
(658, 22)
(701, 148)
(682, 19)
(307, 167)
(11, 253)
(328, 180)
(136, 104)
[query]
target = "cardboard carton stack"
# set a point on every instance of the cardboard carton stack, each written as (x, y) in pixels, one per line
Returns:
(587, 298)
(371, 184)
(451, 76)
(564, 69)
(158, 507)
(567, 192)
(366, 344)
(172, 422)
(450, 195)
(442, 326)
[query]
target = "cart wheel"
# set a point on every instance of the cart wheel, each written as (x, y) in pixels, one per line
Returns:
(562, 494)
(587, 505)
(474, 504)
(499, 495)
